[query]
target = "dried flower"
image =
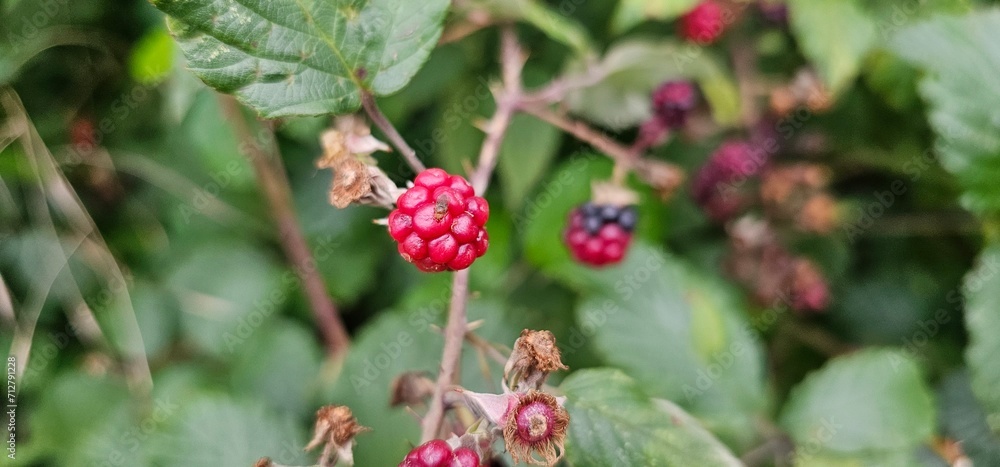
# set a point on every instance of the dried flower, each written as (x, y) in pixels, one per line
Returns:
(335, 428)
(535, 355)
(536, 426)
(347, 150)
(760, 262)
(533, 423)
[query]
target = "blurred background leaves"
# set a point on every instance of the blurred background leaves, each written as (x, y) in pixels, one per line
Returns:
(207, 301)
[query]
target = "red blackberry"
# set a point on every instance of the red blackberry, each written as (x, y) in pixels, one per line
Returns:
(440, 223)
(672, 102)
(703, 24)
(599, 235)
(437, 453)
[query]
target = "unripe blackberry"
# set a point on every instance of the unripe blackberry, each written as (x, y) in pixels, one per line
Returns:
(437, 453)
(440, 223)
(703, 24)
(673, 101)
(600, 235)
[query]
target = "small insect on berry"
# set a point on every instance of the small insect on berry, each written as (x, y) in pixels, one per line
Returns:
(437, 453)
(704, 23)
(439, 223)
(599, 235)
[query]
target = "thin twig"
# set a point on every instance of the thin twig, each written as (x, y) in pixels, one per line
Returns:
(512, 60)
(583, 132)
(274, 183)
(744, 60)
(368, 102)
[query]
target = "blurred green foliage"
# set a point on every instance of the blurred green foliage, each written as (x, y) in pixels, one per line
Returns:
(125, 191)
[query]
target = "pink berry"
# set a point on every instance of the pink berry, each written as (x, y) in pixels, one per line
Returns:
(704, 23)
(439, 223)
(437, 453)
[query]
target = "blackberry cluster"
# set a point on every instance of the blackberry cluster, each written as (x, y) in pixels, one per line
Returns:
(437, 453)
(599, 235)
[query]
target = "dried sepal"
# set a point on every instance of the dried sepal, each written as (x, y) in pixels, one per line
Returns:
(664, 178)
(535, 355)
(350, 137)
(410, 388)
(335, 428)
(535, 430)
(605, 193)
(347, 150)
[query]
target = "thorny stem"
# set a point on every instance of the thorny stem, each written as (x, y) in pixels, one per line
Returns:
(274, 183)
(512, 60)
(371, 108)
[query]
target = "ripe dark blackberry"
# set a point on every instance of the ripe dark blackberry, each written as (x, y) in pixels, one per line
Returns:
(600, 235)
(673, 101)
(437, 453)
(439, 222)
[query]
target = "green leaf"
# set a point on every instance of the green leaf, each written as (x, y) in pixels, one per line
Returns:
(962, 89)
(982, 294)
(279, 366)
(152, 58)
(218, 431)
(613, 422)
(305, 57)
(630, 71)
(68, 409)
(681, 335)
(835, 35)
(226, 291)
(870, 403)
(525, 155)
(558, 25)
(632, 12)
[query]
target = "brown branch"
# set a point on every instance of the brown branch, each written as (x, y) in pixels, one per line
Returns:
(744, 60)
(583, 132)
(274, 184)
(371, 108)
(512, 60)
